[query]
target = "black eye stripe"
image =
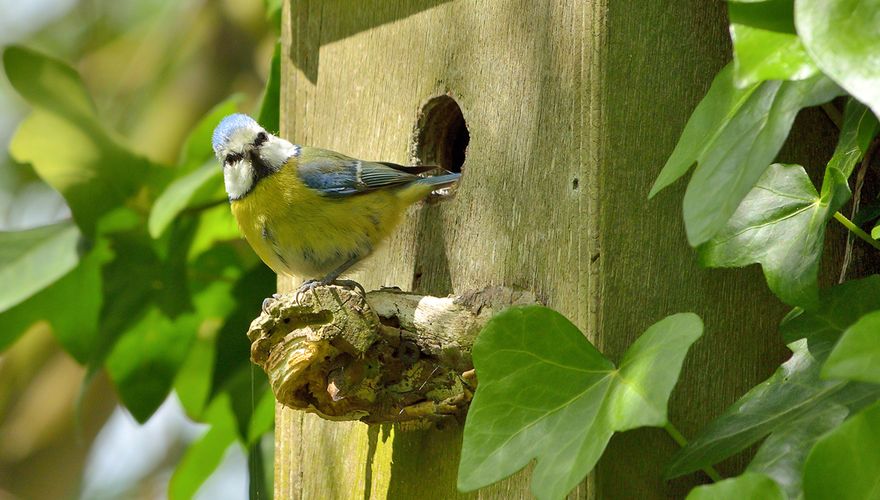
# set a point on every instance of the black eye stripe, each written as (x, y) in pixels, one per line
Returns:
(233, 157)
(260, 139)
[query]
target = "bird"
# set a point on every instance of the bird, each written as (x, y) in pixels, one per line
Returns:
(312, 212)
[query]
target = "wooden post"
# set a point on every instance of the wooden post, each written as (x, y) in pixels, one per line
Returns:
(571, 108)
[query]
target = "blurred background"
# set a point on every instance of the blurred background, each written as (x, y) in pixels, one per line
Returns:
(123, 362)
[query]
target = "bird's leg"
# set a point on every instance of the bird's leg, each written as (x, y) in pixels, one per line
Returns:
(331, 279)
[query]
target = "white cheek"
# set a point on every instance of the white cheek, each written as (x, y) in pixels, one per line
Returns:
(277, 151)
(238, 178)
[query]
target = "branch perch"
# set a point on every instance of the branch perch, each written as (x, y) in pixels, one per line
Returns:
(389, 357)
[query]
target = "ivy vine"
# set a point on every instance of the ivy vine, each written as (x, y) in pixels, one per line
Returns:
(546, 393)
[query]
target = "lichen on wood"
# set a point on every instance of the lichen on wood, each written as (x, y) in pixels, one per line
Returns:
(389, 356)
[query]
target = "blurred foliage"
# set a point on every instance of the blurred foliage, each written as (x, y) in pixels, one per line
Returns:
(140, 272)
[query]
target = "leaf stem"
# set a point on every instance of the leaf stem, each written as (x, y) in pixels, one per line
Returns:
(856, 230)
(679, 438)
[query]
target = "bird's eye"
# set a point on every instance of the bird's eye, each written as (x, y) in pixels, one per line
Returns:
(232, 158)
(260, 139)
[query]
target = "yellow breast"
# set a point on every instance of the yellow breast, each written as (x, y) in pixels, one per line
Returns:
(295, 230)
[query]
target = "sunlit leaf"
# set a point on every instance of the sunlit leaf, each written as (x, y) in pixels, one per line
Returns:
(65, 141)
(781, 225)
(205, 455)
(199, 178)
(182, 192)
(765, 44)
(33, 259)
(71, 305)
(857, 354)
(844, 464)
(546, 393)
(843, 37)
(733, 136)
(793, 393)
(722, 102)
(748, 485)
(782, 455)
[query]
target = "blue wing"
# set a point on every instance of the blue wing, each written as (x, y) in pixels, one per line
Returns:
(338, 175)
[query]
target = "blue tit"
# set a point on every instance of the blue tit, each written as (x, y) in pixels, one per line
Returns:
(308, 211)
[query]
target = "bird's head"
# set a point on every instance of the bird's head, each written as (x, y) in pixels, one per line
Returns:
(248, 153)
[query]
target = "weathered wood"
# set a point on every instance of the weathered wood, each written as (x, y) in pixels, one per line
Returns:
(572, 108)
(387, 356)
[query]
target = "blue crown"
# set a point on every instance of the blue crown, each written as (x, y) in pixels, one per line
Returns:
(229, 125)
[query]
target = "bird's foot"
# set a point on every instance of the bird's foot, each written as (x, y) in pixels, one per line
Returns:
(306, 287)
(351, 285)
(268, 301)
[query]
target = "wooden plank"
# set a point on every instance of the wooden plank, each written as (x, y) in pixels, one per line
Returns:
(571, 108)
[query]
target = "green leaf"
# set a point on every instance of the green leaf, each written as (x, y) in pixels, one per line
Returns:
(34, 259)
(273, 14)
(875, 233)
(71, 305)
(263, 418)
(845, 464)
(843, 38)
(197, 149)
(733, 135)
(199, 176)
(781, 225)
(181, 194)
(65, 141)
(742, 151)
(748, 485)
(860, 126)
(783, 453)
(722, 102)
(205, 455)
(765, 45)
(791, 394)
(857, 354)
(270, 107)
(840, 307)
(545, 392)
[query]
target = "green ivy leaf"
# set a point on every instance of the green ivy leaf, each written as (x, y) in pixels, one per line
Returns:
(792, 393)
(545, 392)
(733, 135)
(845, 464)
(71, 305)
(185, 192)
(721, 104)
(843, 37)
(748, 485)
(859, 128)
(875, 233)
(857, 354)
(781, 225)
(765, 44)
(783, 453)
(66, 142)
(199, 176)
(840, 307)
(205, 455)
(34, 259)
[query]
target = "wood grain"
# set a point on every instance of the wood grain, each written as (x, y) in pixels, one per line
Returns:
(572, 108)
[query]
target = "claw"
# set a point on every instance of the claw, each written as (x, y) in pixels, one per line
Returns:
(268, 301)
(307, 286)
